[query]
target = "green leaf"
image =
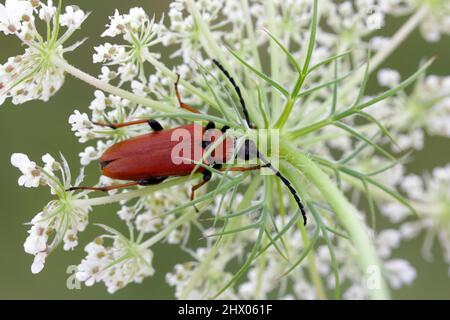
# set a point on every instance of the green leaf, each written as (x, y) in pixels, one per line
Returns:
(312, 36)
(328, 60)
(304, 254)
(390, 165)
(323, 85)
(362, 146)
(335, 91)
(285, 50)
(370, 202)
(334, 263)
(277, 248)
(290, 223)
(273, 83)
(393, 194)
(356, 134)
(362, 88)
(262, 109)
(250, 259)
(383, 129)
(397, 88)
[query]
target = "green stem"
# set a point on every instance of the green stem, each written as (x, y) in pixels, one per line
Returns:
(102, 85)
(312, 268)
(274, 57)
(346, 213)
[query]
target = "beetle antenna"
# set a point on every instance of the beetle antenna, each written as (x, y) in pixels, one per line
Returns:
(237, 89)
(287, 184)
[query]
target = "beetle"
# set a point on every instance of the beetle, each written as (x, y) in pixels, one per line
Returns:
(148, 159)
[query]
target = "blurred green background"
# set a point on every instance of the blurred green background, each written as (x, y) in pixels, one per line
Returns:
(37, 128)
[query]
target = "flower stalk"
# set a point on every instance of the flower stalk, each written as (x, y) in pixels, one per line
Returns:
(345, 211)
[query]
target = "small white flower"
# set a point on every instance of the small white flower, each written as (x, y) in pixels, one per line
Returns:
(31, 174)
(82, 126)
(13, 13)
(73, 18)
(50, 163)
(116, 25)
(355, 292)
(107, 74)
(47, 11)
(37, 240)
(388, 77)
(89, 154)
(386, 241)
(70, 240)
(146, 222)
(116, 266)
(395, 212)
(61, 219)
(108, 53)
(126, 213)
(399, 272)
(38, 262)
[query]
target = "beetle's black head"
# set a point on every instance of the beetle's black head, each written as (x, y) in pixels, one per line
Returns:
(248, 150)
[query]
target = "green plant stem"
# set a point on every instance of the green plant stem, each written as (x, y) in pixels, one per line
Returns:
(102, 85)
(312, 268)
(345, 212)
(401, 34)
(274, 58)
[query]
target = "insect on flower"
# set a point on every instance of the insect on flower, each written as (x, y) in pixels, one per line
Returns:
(148, 159)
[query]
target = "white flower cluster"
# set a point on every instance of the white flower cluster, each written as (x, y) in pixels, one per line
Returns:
(32, 75)
(117, 265)
(357, 153)
(425, 110)
(61, 219)
(140, 32)
(430, 197)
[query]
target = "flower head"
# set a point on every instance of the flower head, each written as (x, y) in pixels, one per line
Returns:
(61, 219)
(116, 265)
(33, 74)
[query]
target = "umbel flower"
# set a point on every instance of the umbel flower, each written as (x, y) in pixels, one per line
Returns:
(32, 75)
(116, 265)
(302, 68)
(61, 219)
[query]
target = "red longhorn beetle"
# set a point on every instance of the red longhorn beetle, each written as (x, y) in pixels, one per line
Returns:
(147, 159)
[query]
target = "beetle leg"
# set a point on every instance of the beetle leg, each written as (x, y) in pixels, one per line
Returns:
(181, 103)
(155, 125)
(152, 181)
(107, 188)
(210, 125)
(146, 182)
(243, 169)
(206, 177)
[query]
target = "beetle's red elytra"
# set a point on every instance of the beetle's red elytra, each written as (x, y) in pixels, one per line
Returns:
(161, 154)
(151, 158)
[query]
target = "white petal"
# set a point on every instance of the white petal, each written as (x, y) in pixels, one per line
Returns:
(38, 263)
(19, 160)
